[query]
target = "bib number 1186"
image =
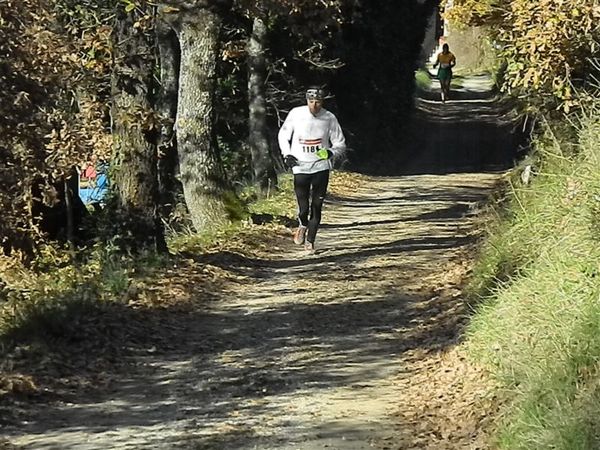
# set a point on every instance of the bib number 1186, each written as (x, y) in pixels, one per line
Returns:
(310, 148)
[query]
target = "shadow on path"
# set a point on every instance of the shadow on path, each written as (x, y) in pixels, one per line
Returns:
(475, 131)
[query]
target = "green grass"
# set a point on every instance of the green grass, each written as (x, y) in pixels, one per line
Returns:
(538, 324)
(423, 79)
(280, 203)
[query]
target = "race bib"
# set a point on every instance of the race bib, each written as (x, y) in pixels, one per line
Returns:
(310, 145)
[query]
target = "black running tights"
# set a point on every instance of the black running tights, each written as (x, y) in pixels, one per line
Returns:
(303, 182)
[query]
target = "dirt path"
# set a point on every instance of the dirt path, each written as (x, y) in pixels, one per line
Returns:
(342, 349)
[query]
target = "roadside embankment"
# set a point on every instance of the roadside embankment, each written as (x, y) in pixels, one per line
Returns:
(538, 278)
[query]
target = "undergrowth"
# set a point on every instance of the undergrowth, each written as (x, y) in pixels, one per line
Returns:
(423, 79)
(537, 326)
(278, 207)
(48, 300)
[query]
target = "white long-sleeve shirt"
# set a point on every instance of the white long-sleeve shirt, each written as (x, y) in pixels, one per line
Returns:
(303, 134)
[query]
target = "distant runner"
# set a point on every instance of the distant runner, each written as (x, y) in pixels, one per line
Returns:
(309, 139)
(446, 60)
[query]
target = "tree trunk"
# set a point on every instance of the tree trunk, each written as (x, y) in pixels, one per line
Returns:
(201, 172)
(168, 50)
(134, 161)
(262, 164)
(71, 186)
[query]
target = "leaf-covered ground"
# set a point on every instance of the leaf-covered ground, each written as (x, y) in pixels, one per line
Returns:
(258, 345)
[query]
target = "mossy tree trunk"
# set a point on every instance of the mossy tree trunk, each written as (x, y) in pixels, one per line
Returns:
(201, 172)
(263, 170)
(134, 161)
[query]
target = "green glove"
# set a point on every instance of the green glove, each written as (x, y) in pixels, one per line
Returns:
(324, 153)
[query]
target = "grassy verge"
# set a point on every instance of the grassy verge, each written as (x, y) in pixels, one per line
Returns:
(538, 324)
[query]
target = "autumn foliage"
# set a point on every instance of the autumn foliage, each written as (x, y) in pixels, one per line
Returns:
(49, 119)
(547, 44)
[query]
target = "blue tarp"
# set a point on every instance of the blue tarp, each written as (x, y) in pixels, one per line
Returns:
(96, 193)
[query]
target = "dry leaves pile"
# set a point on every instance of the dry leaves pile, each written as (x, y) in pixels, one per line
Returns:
(448, 403)
(345, 183)
(6, 445)
(147, 315)
(17, 384)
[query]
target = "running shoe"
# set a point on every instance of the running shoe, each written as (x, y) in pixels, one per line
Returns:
(309, 247)
(300, 235)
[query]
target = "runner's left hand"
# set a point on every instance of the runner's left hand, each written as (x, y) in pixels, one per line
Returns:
(324, 153)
